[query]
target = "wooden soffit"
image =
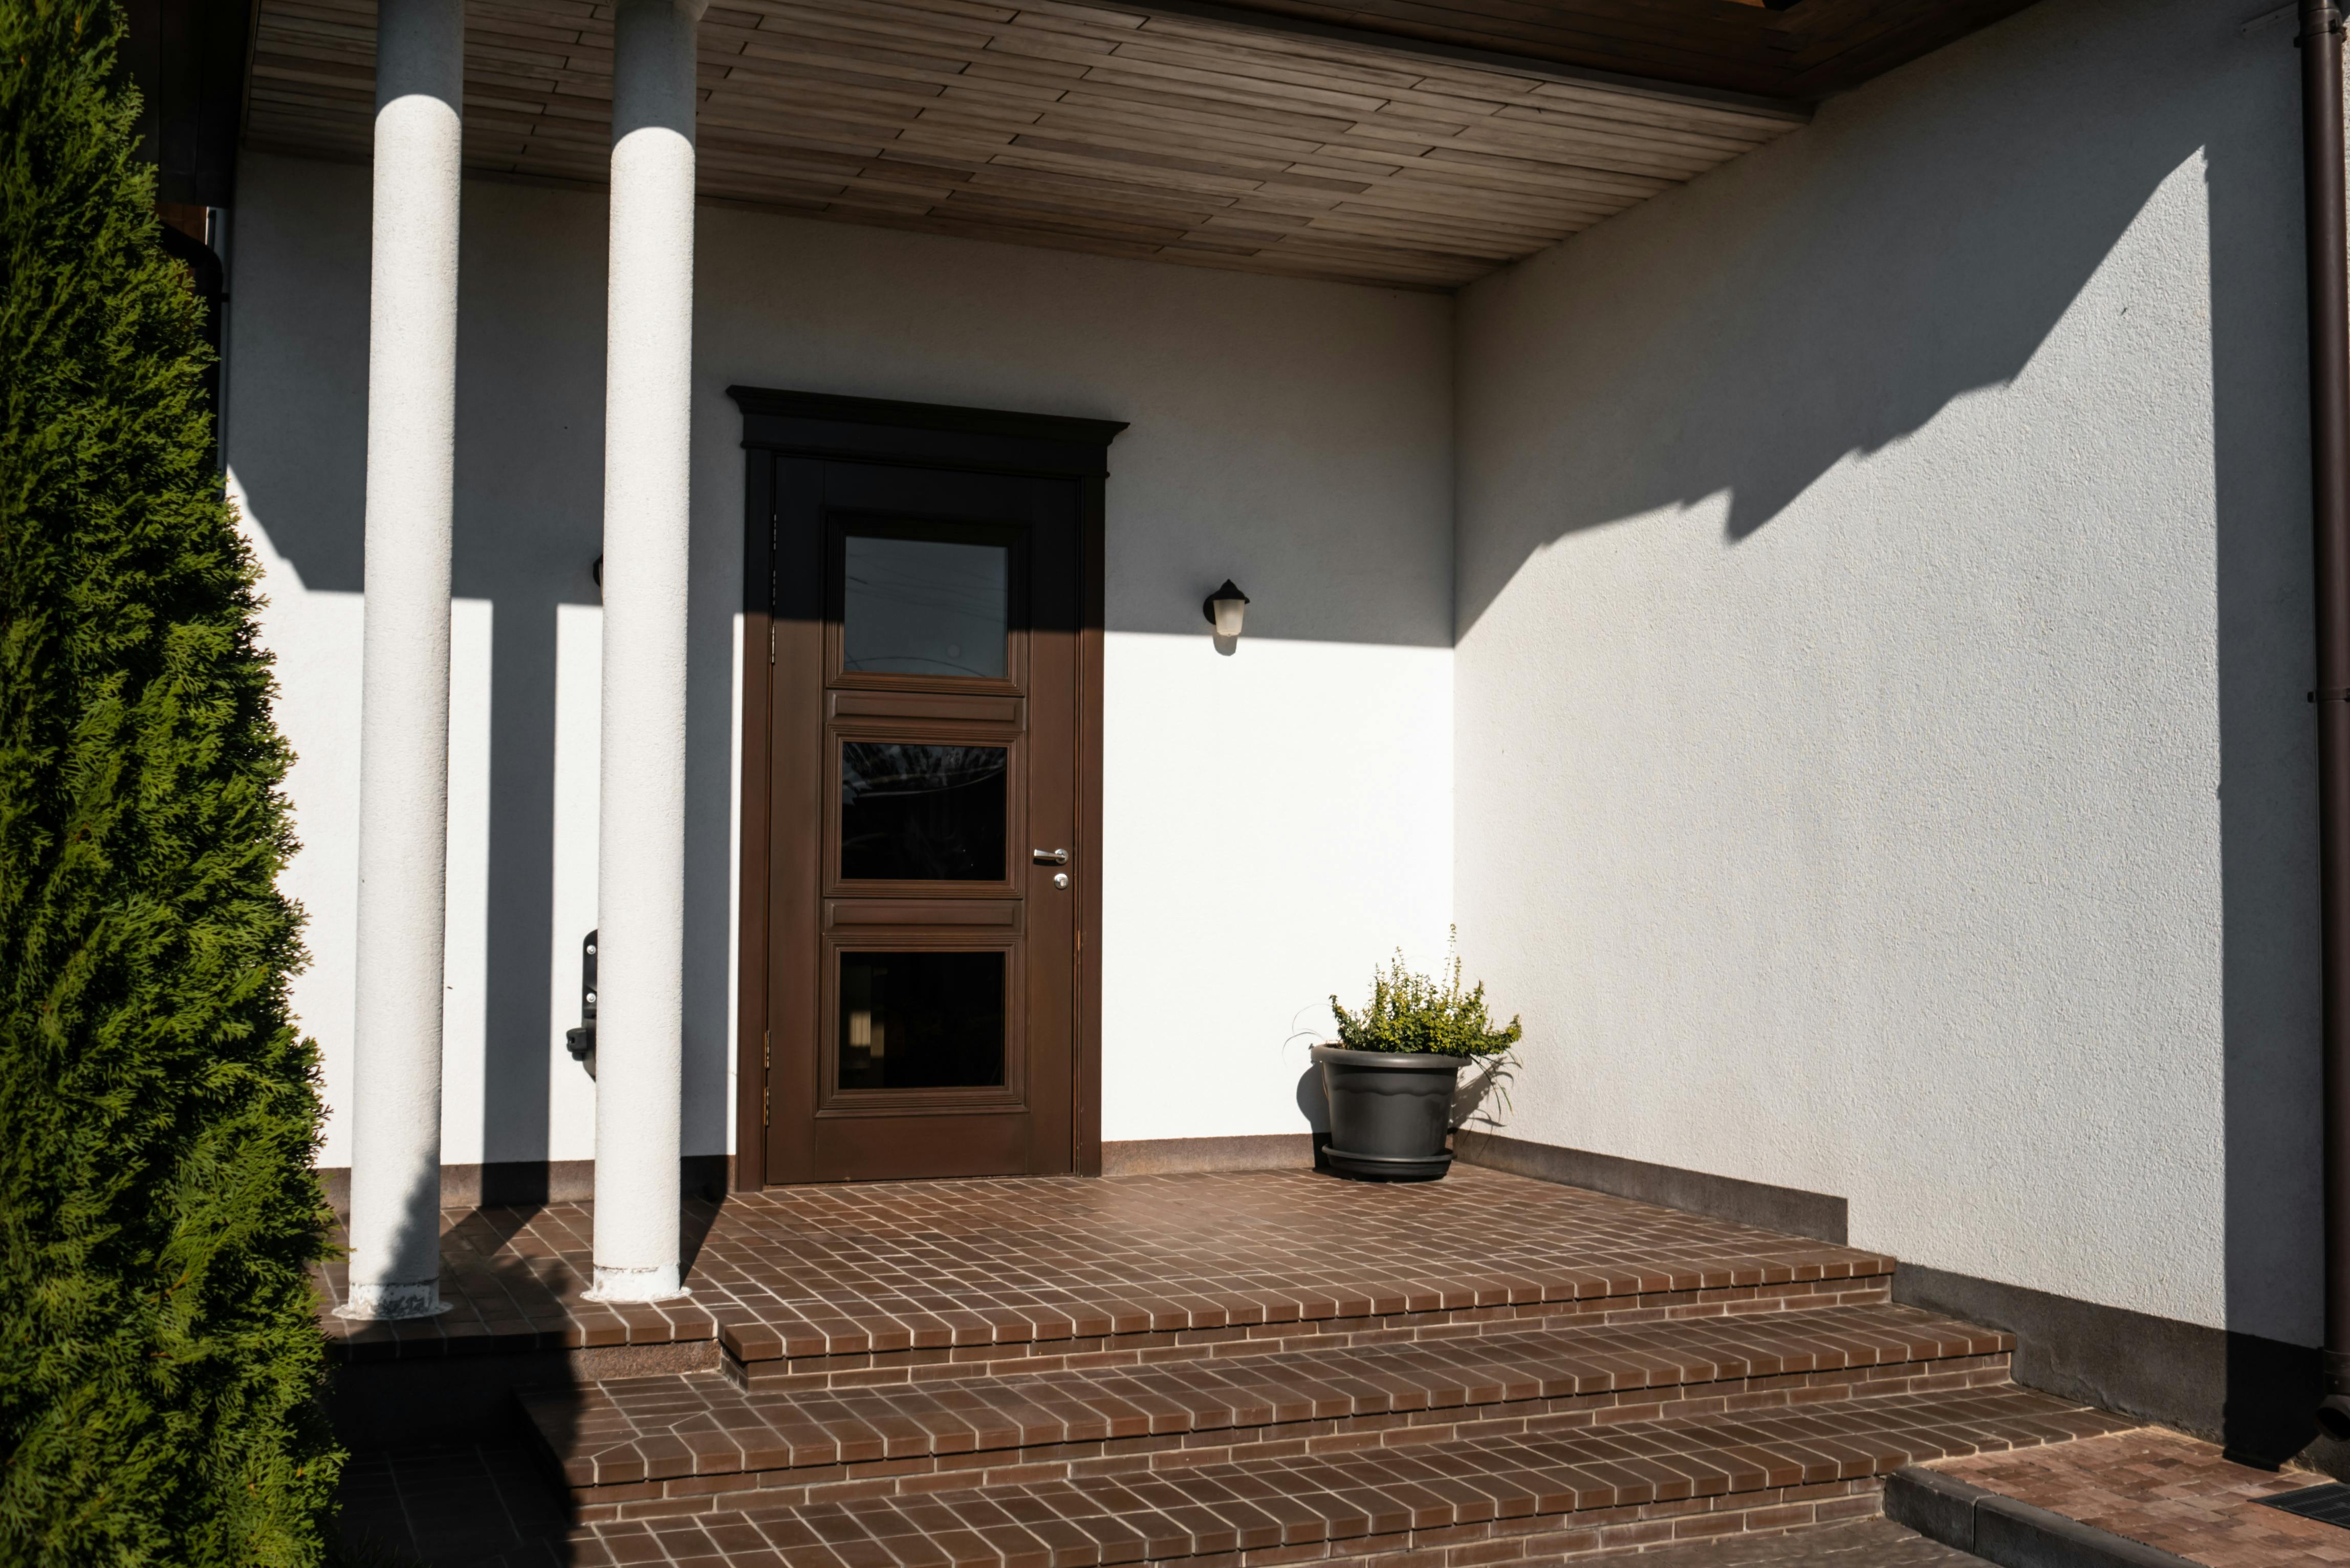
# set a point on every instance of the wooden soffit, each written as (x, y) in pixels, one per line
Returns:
(1194, 134)
(1802, 49)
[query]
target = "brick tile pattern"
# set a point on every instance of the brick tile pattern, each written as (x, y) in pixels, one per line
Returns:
(1456, 1505)
(451, 1508)
(1224, 1371)
(611, 1440)
(2168, 1491)
(839, 1279)
(472, 1508)
(513, 1280)
(1858, 1544)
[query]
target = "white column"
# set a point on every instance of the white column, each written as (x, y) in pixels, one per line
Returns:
(404, 684)
(641, 881)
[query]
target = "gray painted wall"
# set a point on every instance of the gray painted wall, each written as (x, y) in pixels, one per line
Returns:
(1883, 766)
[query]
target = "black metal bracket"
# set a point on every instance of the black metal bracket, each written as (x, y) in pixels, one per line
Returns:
(581, 1042)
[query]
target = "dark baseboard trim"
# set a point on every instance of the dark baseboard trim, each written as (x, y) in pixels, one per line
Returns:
(1170, 1155)
(2003, 1531)
(2253, 1396)
(522, 1182)
(1788, 1209)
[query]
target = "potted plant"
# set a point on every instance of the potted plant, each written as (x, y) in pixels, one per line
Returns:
(1390, 1077)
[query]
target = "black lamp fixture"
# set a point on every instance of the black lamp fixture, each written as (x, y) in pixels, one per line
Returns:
(1223, 609)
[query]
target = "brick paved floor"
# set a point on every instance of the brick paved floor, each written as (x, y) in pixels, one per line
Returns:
(652, 1428)
(2168, 1491)
(482, 1508)
(1056, 1312)
(1647, 1484)
(927, 1266)
(1861, 1544)
(452, 1507)
(1484, 1502)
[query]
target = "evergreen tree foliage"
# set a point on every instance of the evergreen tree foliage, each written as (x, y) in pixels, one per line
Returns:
(160, 1360)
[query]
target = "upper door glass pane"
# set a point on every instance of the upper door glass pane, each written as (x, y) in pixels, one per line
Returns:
(924, 813)
(925, 606)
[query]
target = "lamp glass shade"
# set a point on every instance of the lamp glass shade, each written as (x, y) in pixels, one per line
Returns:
(1223, 609)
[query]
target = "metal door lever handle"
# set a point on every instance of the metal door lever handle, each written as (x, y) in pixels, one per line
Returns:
(1049, 856)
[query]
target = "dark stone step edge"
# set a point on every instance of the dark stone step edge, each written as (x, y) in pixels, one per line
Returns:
(2012, 1533)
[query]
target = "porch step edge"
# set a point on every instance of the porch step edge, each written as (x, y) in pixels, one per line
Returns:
(1800, 1269)
(1509, 1499)
(2007, 1531)
(611, 1439)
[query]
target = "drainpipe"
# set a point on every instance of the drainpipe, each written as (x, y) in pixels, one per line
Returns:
(2319, 41)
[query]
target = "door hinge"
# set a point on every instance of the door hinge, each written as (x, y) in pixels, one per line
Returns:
(766, 1108)
(767, 1049)
(771, 642)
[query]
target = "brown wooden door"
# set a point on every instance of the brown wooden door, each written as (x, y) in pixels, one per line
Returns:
(923, 885)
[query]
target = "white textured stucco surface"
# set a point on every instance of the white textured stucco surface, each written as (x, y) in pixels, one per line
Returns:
(1874, 758)
(404, 770)
(646, 636)
(1277, 818)
(1882, 760)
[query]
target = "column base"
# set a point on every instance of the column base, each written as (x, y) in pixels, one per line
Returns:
(657, 1285)
(378, 1303)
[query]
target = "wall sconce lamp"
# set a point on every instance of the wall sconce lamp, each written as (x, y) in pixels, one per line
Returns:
(1223, 609)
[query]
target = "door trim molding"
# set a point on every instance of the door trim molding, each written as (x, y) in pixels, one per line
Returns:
(779, 423)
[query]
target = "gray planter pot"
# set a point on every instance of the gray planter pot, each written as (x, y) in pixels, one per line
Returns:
(1390, 1114)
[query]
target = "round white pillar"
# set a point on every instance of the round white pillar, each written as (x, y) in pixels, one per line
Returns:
(640, 877)
(404, 680)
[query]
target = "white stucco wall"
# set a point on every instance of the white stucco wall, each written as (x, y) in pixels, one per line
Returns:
(1278, 819)
(1883, 767)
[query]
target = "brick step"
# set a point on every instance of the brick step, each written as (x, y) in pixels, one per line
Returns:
(1457, 1503)
(859, 1283)
(654, 1445)
(837, 1347)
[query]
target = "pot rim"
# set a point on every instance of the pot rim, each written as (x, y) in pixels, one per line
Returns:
(1402, 1061)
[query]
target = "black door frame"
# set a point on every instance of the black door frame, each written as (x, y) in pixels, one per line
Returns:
(780, 424)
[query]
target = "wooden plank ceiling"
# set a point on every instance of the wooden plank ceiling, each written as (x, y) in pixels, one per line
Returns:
(1188, 136)
(1803, 49)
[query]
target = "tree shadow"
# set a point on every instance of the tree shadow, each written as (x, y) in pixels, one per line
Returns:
(1825, 297)
(1828, 297)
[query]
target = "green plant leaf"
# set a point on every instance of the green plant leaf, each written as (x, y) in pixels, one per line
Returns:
(1431, 1014)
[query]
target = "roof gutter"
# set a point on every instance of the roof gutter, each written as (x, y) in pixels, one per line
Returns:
(2319, 41)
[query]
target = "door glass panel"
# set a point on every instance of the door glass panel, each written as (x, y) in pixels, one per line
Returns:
(925, 606)
(921, 1021)
(930, 814)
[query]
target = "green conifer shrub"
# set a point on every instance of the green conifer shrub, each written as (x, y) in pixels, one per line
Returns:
(160, 1361)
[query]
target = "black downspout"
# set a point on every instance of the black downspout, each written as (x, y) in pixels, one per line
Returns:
(210, 282)
(2319, 41)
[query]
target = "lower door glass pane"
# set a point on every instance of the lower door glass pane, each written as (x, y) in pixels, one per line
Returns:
(921, 1021)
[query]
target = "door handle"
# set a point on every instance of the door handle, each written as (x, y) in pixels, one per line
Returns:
(1049, 856)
